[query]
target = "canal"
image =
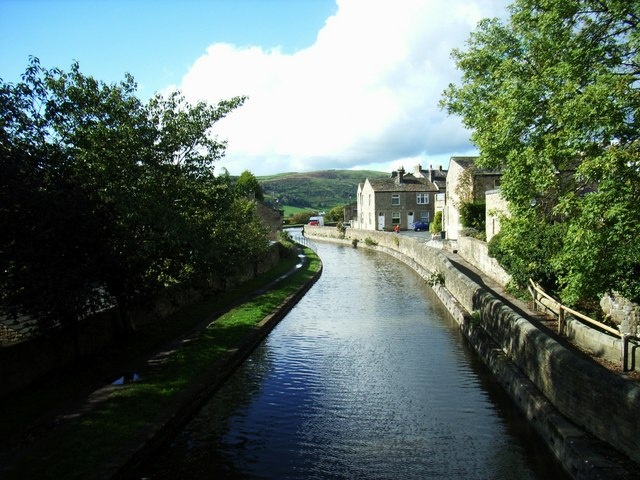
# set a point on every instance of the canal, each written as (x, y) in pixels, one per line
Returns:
(367, 377)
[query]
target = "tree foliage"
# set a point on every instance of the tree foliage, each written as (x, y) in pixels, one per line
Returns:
(436, 225)
(105, 197)
(472, 215)
(249, 186)
(552, 98)
(336, 214)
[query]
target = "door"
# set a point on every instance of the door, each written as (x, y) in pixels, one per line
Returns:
(410, 219)
(381, 221)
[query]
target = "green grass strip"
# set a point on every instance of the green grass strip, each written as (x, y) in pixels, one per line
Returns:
(80, 446)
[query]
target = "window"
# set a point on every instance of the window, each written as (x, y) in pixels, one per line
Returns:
(369, 199)
(440, 197)
(422, 198)
(424, 216)
(395, 199)
(395, 218)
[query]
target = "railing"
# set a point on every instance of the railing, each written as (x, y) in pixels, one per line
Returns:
(560, 310)
(302, 240)
(538, 294)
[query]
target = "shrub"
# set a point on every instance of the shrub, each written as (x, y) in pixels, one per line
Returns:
(472, 215)
(436, 225)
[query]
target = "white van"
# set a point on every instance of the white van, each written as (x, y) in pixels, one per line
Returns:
(319, 221)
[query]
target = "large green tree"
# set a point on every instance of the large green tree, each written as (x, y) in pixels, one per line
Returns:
(105, 198)
(552, 98)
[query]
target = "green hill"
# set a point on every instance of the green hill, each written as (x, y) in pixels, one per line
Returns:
(320, 190)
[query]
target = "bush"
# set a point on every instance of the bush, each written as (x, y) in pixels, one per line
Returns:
(524, 251)
(473, 233)
(472, 215)
(436, 225)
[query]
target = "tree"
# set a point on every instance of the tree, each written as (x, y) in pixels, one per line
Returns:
(249, 186)
(436, 226)
(551, 97)
(336, 214)
(105, 197)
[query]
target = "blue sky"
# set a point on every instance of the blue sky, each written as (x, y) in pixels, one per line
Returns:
(331, 83)
(154, 40)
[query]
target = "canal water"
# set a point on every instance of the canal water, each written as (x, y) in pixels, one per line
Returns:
(366, 378)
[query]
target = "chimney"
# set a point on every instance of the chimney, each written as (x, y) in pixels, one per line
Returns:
(400, 176)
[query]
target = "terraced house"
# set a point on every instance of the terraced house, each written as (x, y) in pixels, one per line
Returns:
(402, 199)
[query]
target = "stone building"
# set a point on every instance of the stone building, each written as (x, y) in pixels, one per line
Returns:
(271, 218)
(465, 183)
(402, 199)
(496, 208)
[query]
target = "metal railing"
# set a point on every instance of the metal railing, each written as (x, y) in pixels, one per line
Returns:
(305, 242)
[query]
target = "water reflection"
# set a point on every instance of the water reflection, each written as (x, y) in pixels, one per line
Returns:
(367, 377)
(128, 377)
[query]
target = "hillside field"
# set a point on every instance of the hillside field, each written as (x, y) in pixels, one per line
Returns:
(319, 190)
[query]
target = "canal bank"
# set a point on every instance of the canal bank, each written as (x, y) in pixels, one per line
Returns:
(102, 431)
(585, 413)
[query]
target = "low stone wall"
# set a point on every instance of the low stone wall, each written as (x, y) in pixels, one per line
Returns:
(623, 312)
(549, 382)
(476, 252)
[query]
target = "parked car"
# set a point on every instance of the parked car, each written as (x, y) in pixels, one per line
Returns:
(314, 222)
(418, 226)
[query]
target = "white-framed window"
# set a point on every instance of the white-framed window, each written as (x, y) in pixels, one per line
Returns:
(395, 218)
(422, 198)
(369, 199)
(440, 196)
(395, 199)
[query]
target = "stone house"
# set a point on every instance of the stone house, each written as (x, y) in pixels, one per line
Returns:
(402, 199)
(465, 183)
(496, 207)
(271, 218)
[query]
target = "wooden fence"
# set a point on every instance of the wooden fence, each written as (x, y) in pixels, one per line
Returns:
(541, 298)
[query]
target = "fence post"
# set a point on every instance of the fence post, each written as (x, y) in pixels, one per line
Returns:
(625, 351)
(560, 320)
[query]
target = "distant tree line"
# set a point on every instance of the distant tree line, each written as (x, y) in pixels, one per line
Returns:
(107, 198)
(552, 96)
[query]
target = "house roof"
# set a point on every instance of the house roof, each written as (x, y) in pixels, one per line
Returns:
(409, 184)
(466, 162)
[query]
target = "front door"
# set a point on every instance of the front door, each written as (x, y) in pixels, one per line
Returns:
(381, 221)
(409, 219)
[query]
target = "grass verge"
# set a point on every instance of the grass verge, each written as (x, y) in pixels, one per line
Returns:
(79, 446)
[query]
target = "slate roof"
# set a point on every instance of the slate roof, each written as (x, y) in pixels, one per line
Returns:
(466, 162)
(409, 184)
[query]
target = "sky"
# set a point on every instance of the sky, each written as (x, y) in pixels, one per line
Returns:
(331, 84)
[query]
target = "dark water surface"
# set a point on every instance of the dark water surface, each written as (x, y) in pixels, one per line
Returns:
(367, 377)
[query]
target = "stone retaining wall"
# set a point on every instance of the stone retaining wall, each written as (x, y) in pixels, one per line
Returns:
(557, 385)
(476, 252)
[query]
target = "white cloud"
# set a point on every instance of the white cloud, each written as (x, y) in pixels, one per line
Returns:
(364, 94)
